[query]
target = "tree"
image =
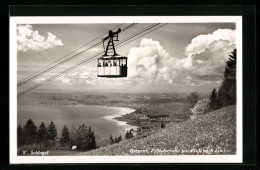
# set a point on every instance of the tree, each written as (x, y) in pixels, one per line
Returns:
(193, 98)
(52, 133)
(227, 89)
(116, 140)
(86, 138)
(65, 136)
(30, 132)
(42, 134)
(83, 137)
(119, 138)
(93, 143)
(230, 70)
(213, 100)
(73, 136)
(129, 135)
(111, 139)
(20, 136)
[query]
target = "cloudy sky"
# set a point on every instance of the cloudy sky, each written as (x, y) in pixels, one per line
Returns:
(173, 58)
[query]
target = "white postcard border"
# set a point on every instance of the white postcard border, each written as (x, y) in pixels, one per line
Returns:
(15, 159)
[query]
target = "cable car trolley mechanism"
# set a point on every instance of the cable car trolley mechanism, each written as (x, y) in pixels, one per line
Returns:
(111, 65)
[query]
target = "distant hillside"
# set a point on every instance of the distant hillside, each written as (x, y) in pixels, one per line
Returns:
(212, 133)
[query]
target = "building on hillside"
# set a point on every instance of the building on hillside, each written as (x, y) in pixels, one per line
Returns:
(158, 118)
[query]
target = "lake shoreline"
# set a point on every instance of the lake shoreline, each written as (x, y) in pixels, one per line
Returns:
(117, 117)
(101, 118)
(121, 117)
(126, 112)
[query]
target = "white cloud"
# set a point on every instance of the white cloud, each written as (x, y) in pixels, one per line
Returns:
(77, 78)
(200, 43)
(28, 39)
(151, 64)
(149, 60)
(204, 62)
(207, 54)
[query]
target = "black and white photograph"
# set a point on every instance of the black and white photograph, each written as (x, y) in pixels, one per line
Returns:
(126, 89)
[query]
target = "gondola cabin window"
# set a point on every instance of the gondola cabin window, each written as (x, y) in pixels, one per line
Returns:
(112, 67)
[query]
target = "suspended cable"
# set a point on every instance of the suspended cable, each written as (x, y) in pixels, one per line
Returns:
(131, 86)
(84, 61)
(89, 59)
(33, 76)
(20, 82)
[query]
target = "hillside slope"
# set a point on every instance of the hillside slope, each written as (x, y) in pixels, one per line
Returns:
(212, 133)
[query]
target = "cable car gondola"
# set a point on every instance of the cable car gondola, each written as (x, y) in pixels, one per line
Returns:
(111, 65)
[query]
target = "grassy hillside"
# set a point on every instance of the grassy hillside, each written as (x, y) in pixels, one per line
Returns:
(212, 133)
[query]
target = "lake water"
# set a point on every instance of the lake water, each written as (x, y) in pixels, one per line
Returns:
(100, 118)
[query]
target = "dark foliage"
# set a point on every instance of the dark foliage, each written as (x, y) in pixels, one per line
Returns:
(111, 139)
(20, 136)
(227, 90)
(116, 140)
(30, 132)
(93, 144)
(162, 125)
(213, 100)
(64, 137)
(42, 134)
(52, 133)
(129, 135)
(84, 138)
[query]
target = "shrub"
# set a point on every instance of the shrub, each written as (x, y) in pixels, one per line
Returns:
(111, 139)
(193, 98)
(50, 145)
(201, 107)
(83, 138)
(129, 134)
(162, 125)
(115, 140)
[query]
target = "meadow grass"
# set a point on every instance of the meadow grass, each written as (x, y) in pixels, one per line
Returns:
(212, 133)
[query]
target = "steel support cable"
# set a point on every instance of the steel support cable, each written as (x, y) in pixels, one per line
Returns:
(80, 53)
(85, 61)
(131, 86)
(35, 75)
(67, 59)
(65, 56)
